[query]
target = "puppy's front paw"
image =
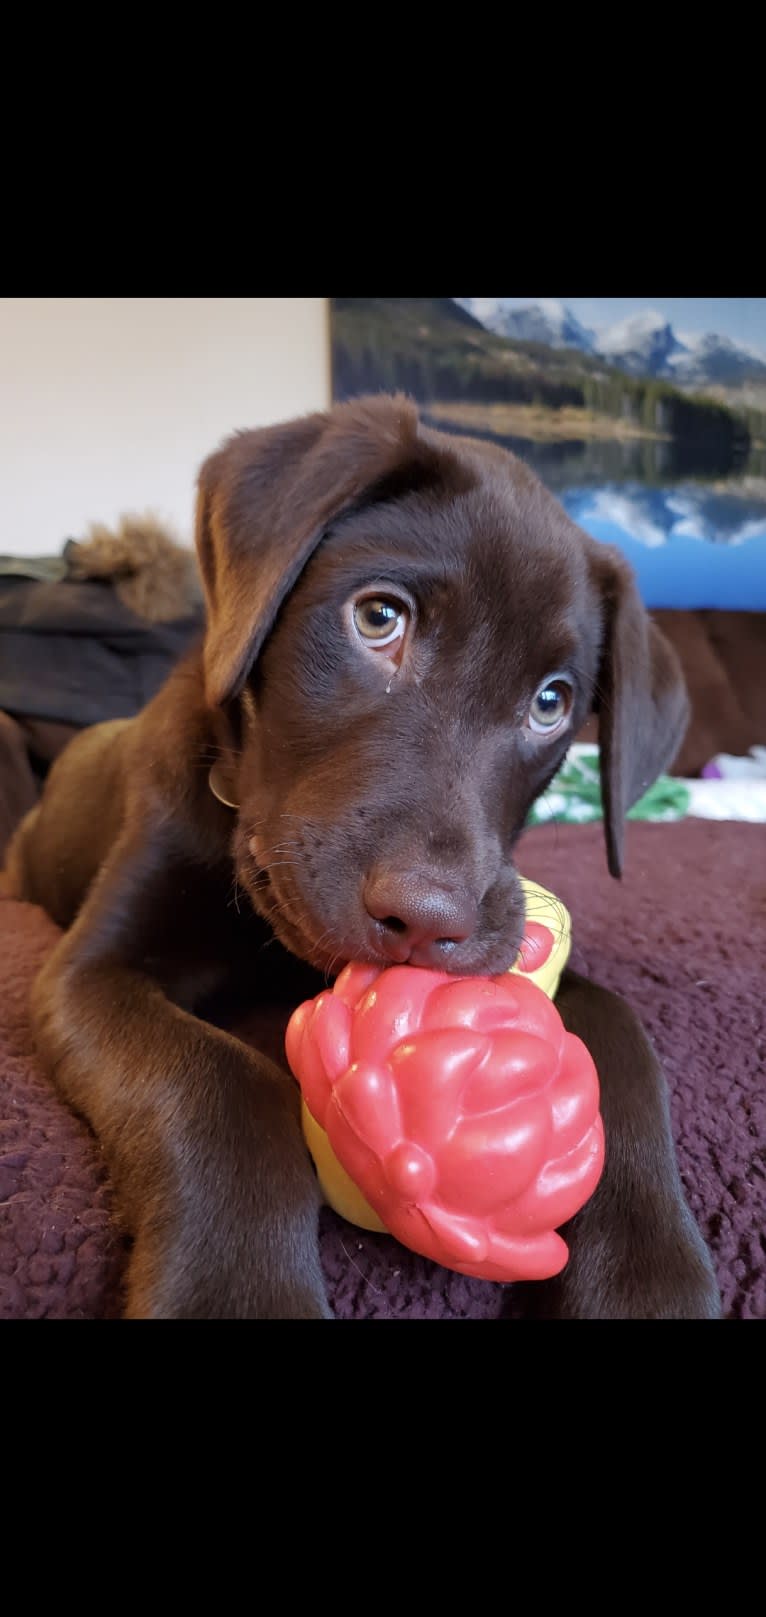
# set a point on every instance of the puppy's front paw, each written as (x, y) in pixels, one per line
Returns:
(165, 1283)
(669, 1276)
(208, 1303)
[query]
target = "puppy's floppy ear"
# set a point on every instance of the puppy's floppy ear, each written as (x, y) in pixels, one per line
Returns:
(641, 698)
(265, 499)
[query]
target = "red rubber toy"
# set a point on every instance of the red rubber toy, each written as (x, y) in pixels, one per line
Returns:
(461, 1108)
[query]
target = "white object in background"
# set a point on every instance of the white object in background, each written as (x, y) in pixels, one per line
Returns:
(730, 767)
(727, 799)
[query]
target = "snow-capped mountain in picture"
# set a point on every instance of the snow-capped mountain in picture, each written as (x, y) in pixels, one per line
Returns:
(710, 358)
(643, 344)
(546, 321)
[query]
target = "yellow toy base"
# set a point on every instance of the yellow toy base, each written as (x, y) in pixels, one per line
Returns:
(339, 1190)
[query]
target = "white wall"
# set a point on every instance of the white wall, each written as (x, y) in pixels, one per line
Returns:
(110, 404)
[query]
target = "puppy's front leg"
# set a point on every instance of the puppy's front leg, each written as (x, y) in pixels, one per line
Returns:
(201, 1134)
(635, 1249)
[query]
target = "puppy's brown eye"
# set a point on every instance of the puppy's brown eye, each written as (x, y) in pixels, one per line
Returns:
(550, 707)
(380, 619)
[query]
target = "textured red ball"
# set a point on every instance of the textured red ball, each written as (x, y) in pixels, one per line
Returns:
(462, 1109)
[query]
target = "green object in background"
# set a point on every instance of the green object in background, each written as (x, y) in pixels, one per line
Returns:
(574, 795)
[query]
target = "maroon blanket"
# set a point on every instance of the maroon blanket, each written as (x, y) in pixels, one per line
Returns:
(683, 937)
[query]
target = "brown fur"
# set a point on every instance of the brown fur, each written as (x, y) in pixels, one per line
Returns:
(153, 575)
(379, 805)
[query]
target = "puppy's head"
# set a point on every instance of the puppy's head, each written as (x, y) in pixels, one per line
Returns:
(406, 631)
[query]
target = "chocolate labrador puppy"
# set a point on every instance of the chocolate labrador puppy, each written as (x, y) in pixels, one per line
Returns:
(404, 633)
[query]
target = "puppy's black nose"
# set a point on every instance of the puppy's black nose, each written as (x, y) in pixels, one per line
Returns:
(416, 920)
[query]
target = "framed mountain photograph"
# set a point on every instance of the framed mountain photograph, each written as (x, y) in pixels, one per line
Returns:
(646, 417)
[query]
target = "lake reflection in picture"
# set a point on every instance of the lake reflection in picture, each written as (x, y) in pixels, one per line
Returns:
(691, 546)
(694, 541)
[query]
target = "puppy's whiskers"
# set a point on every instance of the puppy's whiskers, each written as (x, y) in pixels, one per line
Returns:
(233, 895)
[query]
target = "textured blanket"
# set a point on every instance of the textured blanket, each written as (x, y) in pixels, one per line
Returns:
(682, 937)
